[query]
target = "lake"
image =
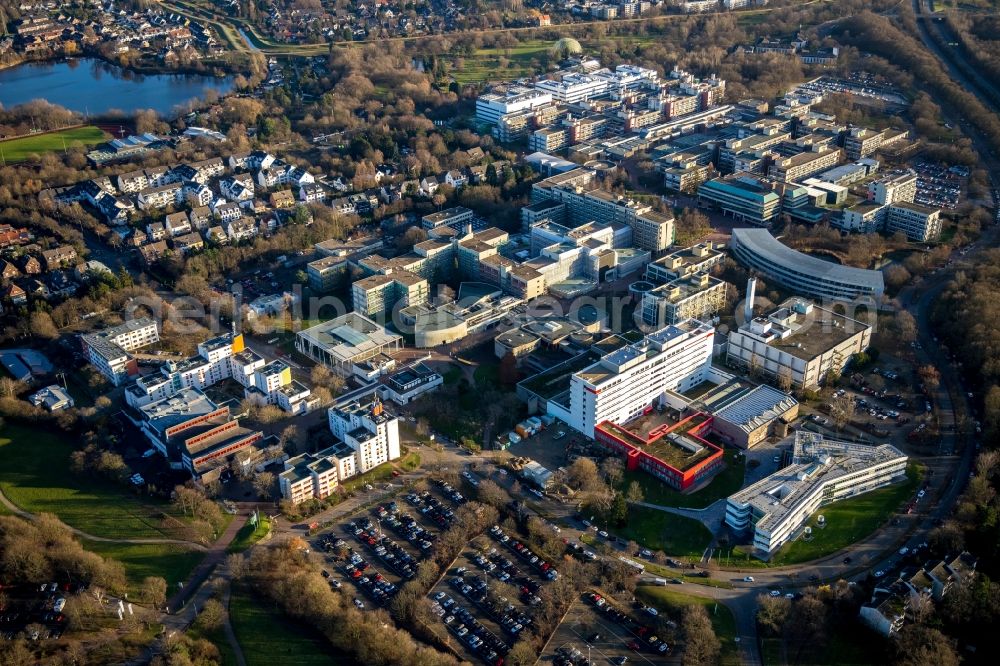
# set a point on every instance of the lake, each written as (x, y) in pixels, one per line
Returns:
(93, 86)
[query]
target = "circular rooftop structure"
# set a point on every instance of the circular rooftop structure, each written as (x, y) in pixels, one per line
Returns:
(640, 287)
(600, 165)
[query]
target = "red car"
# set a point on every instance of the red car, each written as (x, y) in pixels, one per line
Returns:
(395, 473)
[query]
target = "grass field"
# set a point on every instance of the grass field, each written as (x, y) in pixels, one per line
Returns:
(268, 638)
(847, 521)
(725, 483)
(249, 535)
(35, 474)
(171, 562)
(19, 150)
(722, 619)
(674, 535)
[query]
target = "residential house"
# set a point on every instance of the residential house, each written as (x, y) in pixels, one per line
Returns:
(197, 194)
(283, 199)
(177, 224)
(156, 231)
(200, 217)
(429, 185)
(152, 252)
(456, 179)
(16, 295)
(8, 271)
(28, 264)
(188, 243)
(311, 192)
(59, 256)
(239, 229)
(238, 188)
(228, 211)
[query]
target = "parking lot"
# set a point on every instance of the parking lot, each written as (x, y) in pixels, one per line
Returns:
(608, 633)
(938, 185)
(375, 551)
(485, 598)
(37, 612)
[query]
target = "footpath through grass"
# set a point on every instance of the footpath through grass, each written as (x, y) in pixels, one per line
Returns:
(250, 534)
(35, 475)
(665, 598)
(847, 522)
(24, 148)
(269, 638)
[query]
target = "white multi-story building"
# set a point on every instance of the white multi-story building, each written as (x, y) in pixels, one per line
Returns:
(799, 341)
(369, 430)
(490, 107)
(626, 382)
(894, 188)
(224, 357)
(822, 471)
(108, 350)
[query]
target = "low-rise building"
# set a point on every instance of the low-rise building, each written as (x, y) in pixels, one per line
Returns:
(341, 343)
(823, 471)
(54, 398)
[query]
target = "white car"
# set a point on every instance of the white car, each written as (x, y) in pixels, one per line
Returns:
(652, 611)
(748, 579)
(359, 603)
(775, 593)
(879, 573)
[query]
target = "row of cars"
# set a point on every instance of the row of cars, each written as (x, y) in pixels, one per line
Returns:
(35, 612)
(510, 619)
(480, 640)
(370, 581)
(543, 568)
(391, 553)
(645, 637)
(432, 508)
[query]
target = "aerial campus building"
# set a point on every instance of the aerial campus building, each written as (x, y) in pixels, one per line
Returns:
(798, 341)
(673, 452)
(626, 382)
(346, 341)
(822, 471)
(757, 249)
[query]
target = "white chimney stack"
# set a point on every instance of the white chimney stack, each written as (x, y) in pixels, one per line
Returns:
(748, 303)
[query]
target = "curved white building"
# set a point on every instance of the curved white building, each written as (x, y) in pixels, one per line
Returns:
(805, 275)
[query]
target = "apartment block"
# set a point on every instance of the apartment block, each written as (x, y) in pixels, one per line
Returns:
(108, 350)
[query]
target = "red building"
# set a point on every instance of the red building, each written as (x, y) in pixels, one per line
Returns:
(673, 452)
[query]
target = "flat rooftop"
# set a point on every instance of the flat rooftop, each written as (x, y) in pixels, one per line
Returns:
(349, 335)
(664, 438)
(816, 462)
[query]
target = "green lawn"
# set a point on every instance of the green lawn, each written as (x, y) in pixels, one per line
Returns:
(848, 521)
(722, 619)
(725, 483)
(171, 562)
(269, 638)
(35, 475)
(383, 472)
(249, 535)
(19, 150)
(674, 535)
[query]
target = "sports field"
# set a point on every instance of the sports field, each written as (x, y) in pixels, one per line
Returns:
(26, 148)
